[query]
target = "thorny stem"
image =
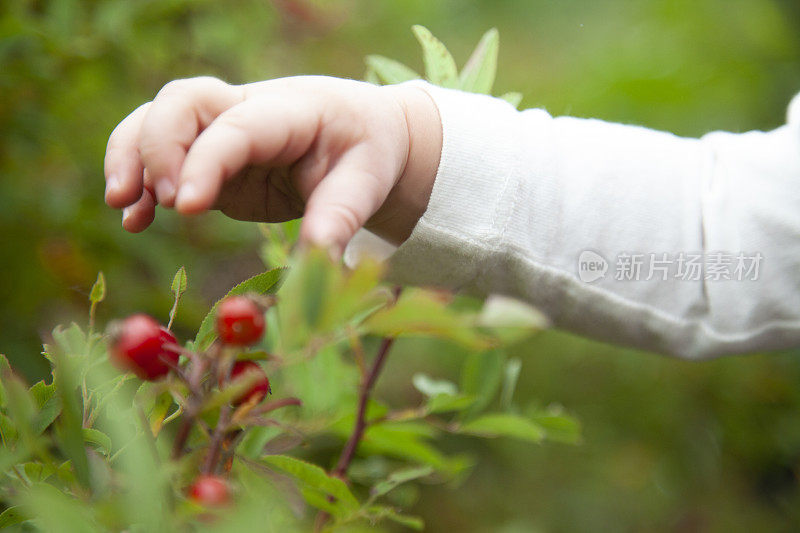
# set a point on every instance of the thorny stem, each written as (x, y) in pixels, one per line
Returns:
(365, 391)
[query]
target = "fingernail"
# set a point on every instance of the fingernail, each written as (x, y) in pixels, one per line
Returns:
(187, 194)
(112, 184)
(125, 214)
(165, 192)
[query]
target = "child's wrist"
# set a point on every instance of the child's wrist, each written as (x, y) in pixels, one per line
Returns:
(408, 200)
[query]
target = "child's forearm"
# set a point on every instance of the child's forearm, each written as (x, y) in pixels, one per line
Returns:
(537, 207)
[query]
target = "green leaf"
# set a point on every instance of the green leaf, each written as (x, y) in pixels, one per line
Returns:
(509, 319)
(264, 283)
(47, 415)
(314, 477)
(512, 98)
(440, 67)
(421, 313)
(390, 71)
(481, 377)
(558, 426)
(510, 378)
(69, 425)
(180, 282)
(397, 478)
(442, 403)
(71, 340)
(478, 74)
(431, 387)
(504, 425)
(98, 439)
(12, 516)
(56, 512)
(98, 292)
(42, 392)
(379, 512)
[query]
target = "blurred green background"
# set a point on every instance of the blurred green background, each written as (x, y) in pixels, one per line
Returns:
(668, 445)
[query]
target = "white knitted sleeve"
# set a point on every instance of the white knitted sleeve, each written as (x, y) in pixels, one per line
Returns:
(689, 247)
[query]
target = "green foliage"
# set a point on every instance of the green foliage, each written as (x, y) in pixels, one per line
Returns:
(93, 447)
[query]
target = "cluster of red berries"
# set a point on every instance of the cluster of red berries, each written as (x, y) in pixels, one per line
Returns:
(141, 345)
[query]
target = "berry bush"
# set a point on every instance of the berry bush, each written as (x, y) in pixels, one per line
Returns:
(268, 418)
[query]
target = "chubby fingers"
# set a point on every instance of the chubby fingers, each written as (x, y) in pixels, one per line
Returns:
(272, 129)
(178, 113)
(122, 166)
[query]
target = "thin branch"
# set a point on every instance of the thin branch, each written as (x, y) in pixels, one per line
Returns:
(363, 399)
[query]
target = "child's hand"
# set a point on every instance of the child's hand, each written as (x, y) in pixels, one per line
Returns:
(345, 153)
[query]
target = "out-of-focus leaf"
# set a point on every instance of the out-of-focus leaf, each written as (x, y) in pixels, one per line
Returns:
(371, 77)
(558, 425)
(397, 478)
(390, 71)
(403, 440)
(98, 292)
(326, 383)
(510, 378)
(264, 283)
(420, 313)
(512, 98)
(442, 403)
(5, 368)
(69, 425)
(71, 340)
(481, 377)
(440, 67)
(379, 512)
(159, 412)
(38, 471)
(98, 439)
(504, 425)
(478, 73)
(510, 319)
(352, 293)
(56, 512)
(47, 415)
(180, 282)
(314, 477)
(12, 516)
(432, 387)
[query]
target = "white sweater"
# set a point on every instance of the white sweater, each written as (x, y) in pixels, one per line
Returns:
(689, 247)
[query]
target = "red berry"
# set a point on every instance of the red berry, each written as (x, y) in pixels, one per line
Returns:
(261, 387)
(138, 345)
(210, 491)
(240, 321)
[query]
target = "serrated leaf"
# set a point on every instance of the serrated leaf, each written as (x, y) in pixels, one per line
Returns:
(71, 340)
(440, 67)
(180, 282)
(264, 283)
(504, 425)
(12, 516)
(432, 387)
(315, 477)
(478, 74)
(397, 478)
(98, 292)
(390, 71)
(98, 439)
(512, 98)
